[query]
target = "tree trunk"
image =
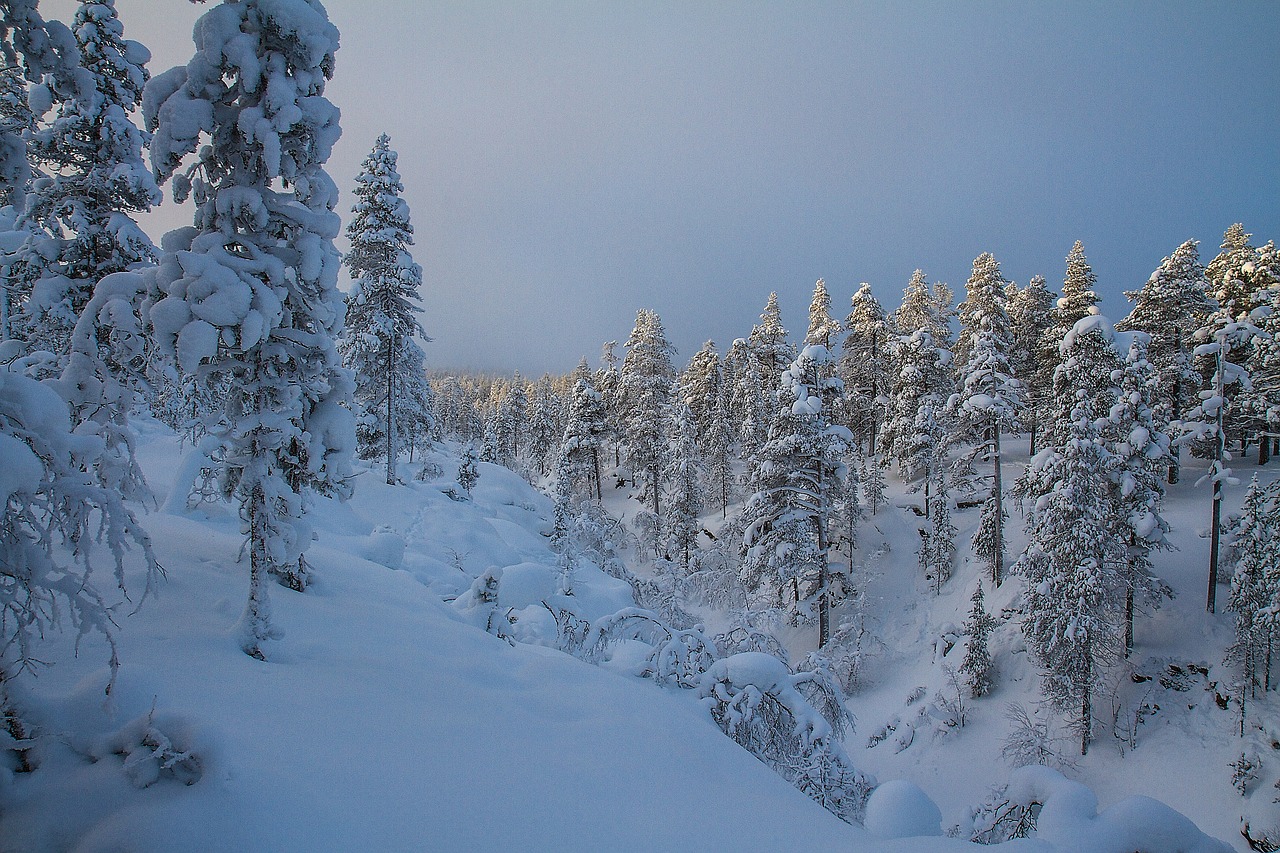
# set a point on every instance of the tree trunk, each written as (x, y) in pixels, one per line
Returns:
(256, 617)
(1128, 622)
(391, 424)
(1215, 534)
(595, 471)
(824, 573)
(997, 492)
(1264, 448)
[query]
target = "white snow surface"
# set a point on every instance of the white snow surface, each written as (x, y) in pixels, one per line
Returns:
(386, 719)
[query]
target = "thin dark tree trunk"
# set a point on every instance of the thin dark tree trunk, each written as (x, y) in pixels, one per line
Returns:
(997, 492)
(1128, 621)
(391, 424)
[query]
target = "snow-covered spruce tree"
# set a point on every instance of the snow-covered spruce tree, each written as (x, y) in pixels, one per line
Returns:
(871, 476)
(1140, 455)
(989, 398)
(685, 474)
(732, 366)
(786, 522)
(513, 420)
(937, 554)
(847, 516)
(547, 416)
(250, 293)
(757, 415)
(1255, 589)
(94, 180)
(921, 376)
(1169, 308)
(718, 458)
(468, 470)
(1089, 370)
(583, 440)
(768, 342)
(1077, 301)
(378, 345)
(822, 326)
(700, 387)
(864, 367)
(1069, 579)
(644, 396)
(977, 668)
(1029, 316)
(1261, 402)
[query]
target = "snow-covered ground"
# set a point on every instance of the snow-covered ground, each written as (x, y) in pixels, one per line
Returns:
(386, 718)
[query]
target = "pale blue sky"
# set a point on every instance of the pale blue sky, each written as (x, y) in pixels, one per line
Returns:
(568, 163)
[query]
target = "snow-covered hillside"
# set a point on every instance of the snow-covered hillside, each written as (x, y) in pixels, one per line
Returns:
(386, 719)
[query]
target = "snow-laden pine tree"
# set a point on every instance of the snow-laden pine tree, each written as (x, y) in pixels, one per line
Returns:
(1140, 455)
(977, 668)
(644, 397)
(684, 475)
(768, 342)
(786, 522)
(1067, 569)
(1029, 315)
(921, 376)
(822, 326)
(757, 414)
(1169, 308)
(378, 343)
(937, 553)
(988, 400)
(1077, 301)
(1255, 588)
(700, 387)
(864, 367)
(250, 293)
(468, 468)
(717, 455)
(37, 51)
(1205, 425)
(922, 308)
(608, 382)
(547, 416)
(511, 419)
(583, 439)
(94, 181)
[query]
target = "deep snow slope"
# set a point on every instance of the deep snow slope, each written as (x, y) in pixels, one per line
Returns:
(381, 721)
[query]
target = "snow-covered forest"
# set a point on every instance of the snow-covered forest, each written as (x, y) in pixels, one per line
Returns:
(980, 567)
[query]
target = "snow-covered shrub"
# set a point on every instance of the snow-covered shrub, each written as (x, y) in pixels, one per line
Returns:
(679, 657)
(759, 703)
(1068, 816)
(751, 631)
(715, 583)
(999, 818)
(1244, 772)
(479, 604)
(153, 750)
(1030, 741)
